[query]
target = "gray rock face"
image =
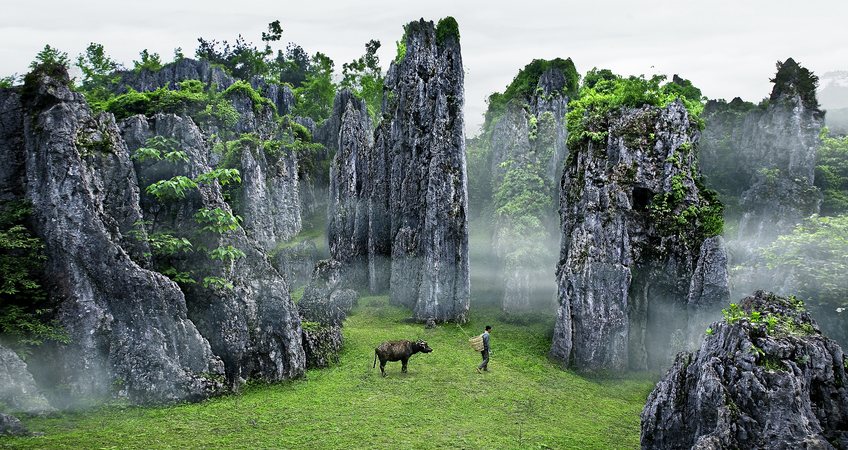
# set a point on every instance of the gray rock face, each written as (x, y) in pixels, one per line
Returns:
(399, 206)
(751, 387)
(764, 157)
(428, 191)
(379, 224)
(526, 135)
(323, 308)
(296, 262)
(710, 286)
(11, 426)
(268, 198)
(252, 326)
(347, 227)
(18, 391)
(325, 300)
(626, 265)
(322, 345)
(128, 326)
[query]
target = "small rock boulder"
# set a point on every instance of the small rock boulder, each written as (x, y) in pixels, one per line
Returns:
(11, 426)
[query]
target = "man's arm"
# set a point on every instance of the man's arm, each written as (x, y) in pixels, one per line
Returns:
(486, 342)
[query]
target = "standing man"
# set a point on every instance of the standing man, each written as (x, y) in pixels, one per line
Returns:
(485, 364)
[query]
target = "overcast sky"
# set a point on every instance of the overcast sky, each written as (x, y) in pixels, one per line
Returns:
(726, 47)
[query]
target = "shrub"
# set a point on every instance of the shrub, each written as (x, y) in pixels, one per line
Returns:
(445, 29)
(25, 312)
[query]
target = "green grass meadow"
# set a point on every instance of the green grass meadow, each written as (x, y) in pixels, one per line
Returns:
(524, 401)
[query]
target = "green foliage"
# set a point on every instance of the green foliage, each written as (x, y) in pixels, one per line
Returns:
(733, 313)
(223, 176)
(23, 328)
(158, 148)
(364, 78)
(400, 50)
(315, 96)
(588, 116)
(693, 223)
(518, 404)
(165, 244)
(226, 253)
(773, 324)
(771, 175)
(816, 251)
(244, 88)
(791, 80)
(25, 315)
(524, 85)
(148, 61)
(190, 99)
(8, 81)
(178, 276)
(217, 283)
(447, 28)
(832, 174)
(596, 75)
(244, 60)
(217, 220)
(293, 65)
(49, 59)
(523, 196)
(171, 189)
(98, 75)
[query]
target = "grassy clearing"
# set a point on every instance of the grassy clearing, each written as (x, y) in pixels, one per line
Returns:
(525, 401)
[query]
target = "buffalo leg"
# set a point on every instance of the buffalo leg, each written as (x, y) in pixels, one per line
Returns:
(403, 368)
(383, 367)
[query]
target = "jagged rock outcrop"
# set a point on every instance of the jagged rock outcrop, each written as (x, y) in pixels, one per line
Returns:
(529, 137)
(127, 326)
(323, 308)
(268, 197)
(170, 75)
(710, 286)
(18, 391)
(762, 158)
(634, 222)
(404, 199)
(347, 212)
(766, 379)
(425, 157)
(252, 325)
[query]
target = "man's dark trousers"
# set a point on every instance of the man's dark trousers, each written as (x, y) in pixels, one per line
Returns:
(485, 364)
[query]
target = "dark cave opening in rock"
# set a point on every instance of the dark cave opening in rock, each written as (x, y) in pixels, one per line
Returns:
(641, 198)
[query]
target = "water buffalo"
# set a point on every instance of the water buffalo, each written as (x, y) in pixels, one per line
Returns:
(398, 351)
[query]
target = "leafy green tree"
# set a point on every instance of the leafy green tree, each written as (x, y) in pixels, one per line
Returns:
(50, 59)
(98, 75)
(149, 61)
(243, 59)
(832, 174)
(315, 96)
(8, 81)
(25, 314)
(293, 65)
(816, 253)
(792, 79)
(364, 77)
